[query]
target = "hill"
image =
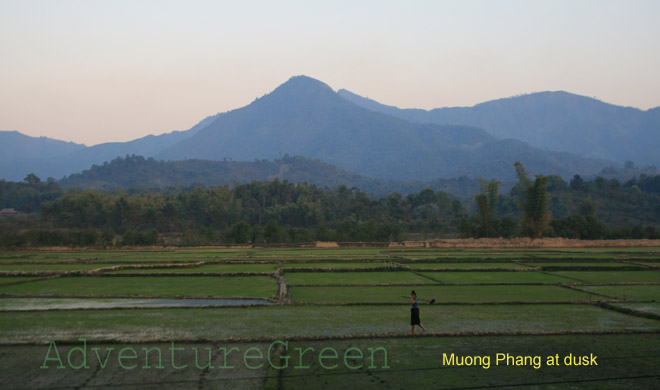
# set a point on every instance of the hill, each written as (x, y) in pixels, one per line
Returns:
(18, 146)
(132, 172)
(51, 158)
(306, 117)
(552, 121)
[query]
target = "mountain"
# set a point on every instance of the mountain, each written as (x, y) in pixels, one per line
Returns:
(134, 172)
(306, 117)
(17, 146)
(46, 157)
(552, 121)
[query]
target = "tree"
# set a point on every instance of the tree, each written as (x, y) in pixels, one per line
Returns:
(532, 202)
(487, 208)
(577, 183)
(32, 179)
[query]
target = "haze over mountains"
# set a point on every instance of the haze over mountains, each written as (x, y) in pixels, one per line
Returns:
(306, 117)
(558, 121)
(138, 172)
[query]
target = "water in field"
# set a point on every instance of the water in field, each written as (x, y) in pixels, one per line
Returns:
(79, 303)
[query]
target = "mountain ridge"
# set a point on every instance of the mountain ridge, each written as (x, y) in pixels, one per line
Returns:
(306, 117)
(551, 120)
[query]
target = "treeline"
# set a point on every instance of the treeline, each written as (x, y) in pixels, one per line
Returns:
(258, 212)
(551, 207)
(283, 212)
(28, 195)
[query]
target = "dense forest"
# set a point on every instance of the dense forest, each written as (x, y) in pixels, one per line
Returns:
(131, 172)
(279, 211)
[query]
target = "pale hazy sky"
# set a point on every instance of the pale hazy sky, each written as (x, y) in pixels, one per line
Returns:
(96, 71)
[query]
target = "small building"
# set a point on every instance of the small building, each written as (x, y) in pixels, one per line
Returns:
(8, 212)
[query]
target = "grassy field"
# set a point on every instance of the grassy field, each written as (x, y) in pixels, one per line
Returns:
(612, 276)
(486, 302)
(642, 293)
(376, 277)
(418, 364)
(336, 264)
(461, 266)
(448, 294)
(494, 277)
(53, 267)
(210, 268)
(591, 264)
(260, 286)
(307, 321)
(15, 279)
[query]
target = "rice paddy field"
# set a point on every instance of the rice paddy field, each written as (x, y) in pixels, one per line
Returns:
(296, 318)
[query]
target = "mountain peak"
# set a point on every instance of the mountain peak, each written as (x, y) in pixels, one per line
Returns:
(305, 82)
(300, 92)
(302, 87)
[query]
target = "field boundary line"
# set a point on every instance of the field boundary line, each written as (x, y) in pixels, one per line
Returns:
(617, 284)
(28, 281)
(428, 277)
(283, 293)
(575, 288)
(625, 310)
(437, 283)
(579, 302)
(129, 296)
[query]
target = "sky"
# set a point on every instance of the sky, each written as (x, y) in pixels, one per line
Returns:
(93, 71)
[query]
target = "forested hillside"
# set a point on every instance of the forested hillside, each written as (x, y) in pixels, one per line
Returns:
(136, 172)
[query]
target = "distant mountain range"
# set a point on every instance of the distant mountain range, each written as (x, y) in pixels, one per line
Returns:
(305, 117)
(64, 158)
(557, 121)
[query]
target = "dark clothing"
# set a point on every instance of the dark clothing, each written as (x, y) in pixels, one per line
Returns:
(414, 316)
(414, 303)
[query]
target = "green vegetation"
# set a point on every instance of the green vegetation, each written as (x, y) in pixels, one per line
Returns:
(464, 265)
(210, 268)
(107, 311)
(611, 276)
(202, 286)
(461, 294)
(642, 293)
(283, 321)
(653, 308)
(533, 202)
(337, 265)
(281, 212)
(584, 265)
(377, 277)
(494, 277)
(418, 363)
(52, 267)
(20, 369)
(14, 279)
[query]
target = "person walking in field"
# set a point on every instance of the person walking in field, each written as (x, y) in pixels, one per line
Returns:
(414, 313)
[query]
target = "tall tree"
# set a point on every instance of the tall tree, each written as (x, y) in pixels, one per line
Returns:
(487, 208)
(532, 202)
